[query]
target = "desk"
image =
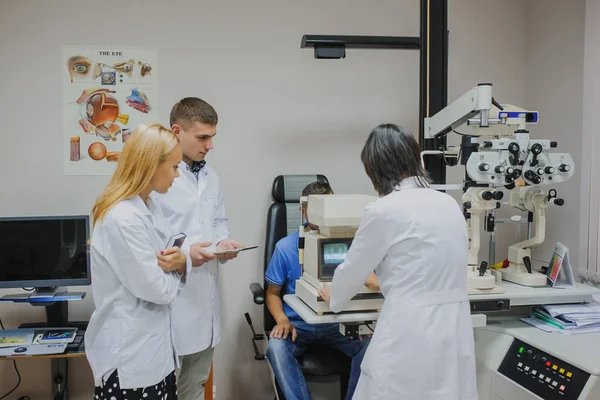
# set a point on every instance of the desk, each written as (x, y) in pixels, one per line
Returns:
(59, 367)
(60, 361)
(517, 295)
(309, 316)
(530, 296)
(66, 354)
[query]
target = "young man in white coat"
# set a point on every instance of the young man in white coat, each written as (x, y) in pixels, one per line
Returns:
(194, 205)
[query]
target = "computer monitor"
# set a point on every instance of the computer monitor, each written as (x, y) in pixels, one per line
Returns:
(44, 252)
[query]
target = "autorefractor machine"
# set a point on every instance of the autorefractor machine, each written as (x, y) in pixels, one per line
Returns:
(322, 250)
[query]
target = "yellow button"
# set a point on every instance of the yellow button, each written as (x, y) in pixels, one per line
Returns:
(555, 367)
(569, 374)
(562, 371)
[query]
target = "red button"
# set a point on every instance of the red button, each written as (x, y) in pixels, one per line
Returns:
(548, 364)
(562, 388)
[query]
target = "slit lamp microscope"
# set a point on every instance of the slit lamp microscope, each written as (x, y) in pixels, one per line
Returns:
(507, 159)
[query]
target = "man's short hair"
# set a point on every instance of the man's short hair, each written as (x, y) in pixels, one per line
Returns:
(317, 188)
(193, 109)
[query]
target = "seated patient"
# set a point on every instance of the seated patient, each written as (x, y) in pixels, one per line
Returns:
(291, 337)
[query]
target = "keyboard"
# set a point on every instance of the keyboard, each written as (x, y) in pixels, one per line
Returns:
(78, 342)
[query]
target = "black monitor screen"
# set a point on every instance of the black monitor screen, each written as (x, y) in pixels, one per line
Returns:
(44, 252)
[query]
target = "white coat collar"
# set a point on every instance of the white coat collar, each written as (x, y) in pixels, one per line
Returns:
(411, 182)
(140, 205)
(151, 211)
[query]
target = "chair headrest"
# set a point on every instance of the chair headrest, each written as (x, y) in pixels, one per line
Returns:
(288, 188)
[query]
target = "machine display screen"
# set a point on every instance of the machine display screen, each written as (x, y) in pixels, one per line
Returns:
(333, 253)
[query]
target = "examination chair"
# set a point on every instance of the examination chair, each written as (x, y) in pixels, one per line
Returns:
(283, 218)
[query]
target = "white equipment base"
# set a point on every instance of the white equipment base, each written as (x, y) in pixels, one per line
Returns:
(530, 296)
(310, 317)
(485, 282)
(310, 295)
(317, 284)
(493, 343)
(515, 275)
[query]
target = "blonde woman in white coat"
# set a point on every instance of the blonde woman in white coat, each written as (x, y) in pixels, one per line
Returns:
(415, 239)
(129, 343)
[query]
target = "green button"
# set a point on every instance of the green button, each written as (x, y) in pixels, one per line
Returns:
(521, 349)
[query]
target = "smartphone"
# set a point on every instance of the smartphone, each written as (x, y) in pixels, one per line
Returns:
(236, 250)
(176, 240)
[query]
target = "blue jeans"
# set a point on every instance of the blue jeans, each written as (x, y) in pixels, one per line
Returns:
(282, 355)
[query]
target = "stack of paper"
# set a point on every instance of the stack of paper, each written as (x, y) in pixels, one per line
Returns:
(567, 318)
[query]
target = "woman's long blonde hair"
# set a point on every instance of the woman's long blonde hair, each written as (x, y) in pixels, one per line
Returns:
(145, 149)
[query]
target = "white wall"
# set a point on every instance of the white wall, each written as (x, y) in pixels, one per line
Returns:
(281, 111)
(554, 87)
(590, 185)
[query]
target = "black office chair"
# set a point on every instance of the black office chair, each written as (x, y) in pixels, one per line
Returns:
(284, 217)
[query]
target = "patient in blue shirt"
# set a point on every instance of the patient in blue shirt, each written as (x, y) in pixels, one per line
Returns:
(291, 337)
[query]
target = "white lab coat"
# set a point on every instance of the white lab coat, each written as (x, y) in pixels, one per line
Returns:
(130, 328)
(422, 349)
(196, 208)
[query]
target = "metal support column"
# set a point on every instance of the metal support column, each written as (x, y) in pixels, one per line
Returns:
(433, 79)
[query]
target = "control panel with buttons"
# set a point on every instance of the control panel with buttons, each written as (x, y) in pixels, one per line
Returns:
(541, 373)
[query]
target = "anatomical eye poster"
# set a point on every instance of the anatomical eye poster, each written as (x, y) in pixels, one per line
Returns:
(107, 93)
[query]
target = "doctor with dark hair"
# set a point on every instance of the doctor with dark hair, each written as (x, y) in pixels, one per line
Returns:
(415, 239)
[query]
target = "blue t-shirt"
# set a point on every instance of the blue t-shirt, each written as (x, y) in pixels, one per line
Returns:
(284, 268)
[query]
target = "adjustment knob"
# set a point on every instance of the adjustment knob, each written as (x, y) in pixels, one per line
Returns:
(529, 352)
(483, 167)
(540, 171)
(499, 169)
(467, 205)
(533, 177)
(536, 148)
(549, 170)
(510, 171)
(564, 168)
(498, 195)
(487, 195)
(487, 144)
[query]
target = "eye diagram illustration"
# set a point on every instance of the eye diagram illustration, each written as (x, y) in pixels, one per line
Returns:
(99, 111)
(107, 92)
(78, 67)
(138, 101)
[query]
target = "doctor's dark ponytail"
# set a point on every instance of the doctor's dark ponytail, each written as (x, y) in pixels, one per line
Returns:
(390, 155)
